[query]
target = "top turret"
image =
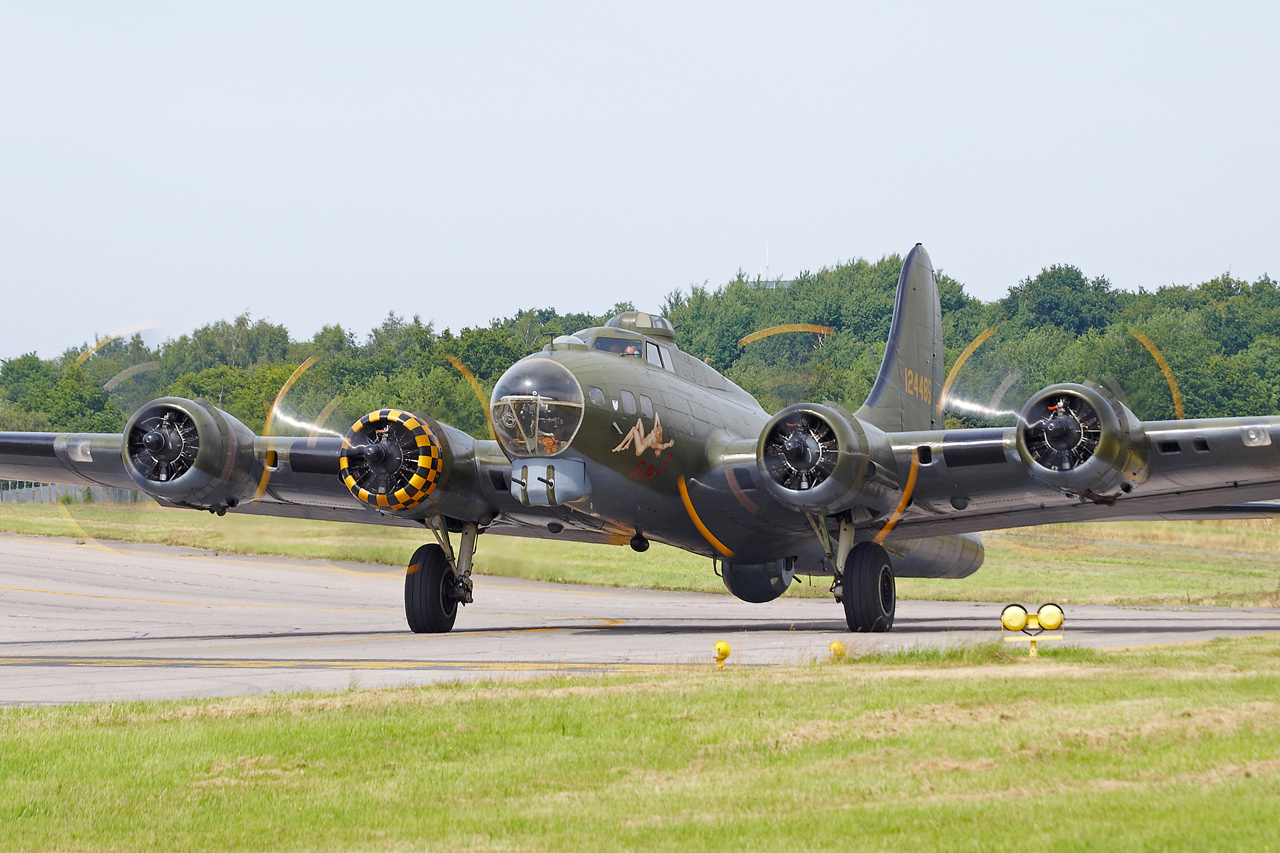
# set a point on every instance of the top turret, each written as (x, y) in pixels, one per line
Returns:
(651, 325)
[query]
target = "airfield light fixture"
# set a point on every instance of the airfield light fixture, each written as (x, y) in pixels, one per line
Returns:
(1050, 617)
(1014, 617)
(1031, 627)
(722, 653)
(838, 651)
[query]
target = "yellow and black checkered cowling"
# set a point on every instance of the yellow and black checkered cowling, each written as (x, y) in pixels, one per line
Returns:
(415, 461)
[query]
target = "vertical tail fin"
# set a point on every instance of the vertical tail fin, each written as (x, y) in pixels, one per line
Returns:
(906, 392)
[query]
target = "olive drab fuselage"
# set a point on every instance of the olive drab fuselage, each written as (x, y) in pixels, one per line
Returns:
(648, 429)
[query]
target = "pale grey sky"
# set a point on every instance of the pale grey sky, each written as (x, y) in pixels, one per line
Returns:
(312, 163)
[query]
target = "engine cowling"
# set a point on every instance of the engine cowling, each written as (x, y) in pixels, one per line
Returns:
(191, 453)
(812, 458)
(394, 460)
(758, 582)
(1082, 441)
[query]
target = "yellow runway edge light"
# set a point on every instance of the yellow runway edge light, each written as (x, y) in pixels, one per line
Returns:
(1033, 625)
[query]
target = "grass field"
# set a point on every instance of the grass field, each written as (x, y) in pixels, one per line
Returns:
(978, 748)
(1165, 749)
(1151, 563)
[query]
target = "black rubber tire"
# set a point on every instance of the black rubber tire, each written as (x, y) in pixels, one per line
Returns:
(428, 605)
(870, 592)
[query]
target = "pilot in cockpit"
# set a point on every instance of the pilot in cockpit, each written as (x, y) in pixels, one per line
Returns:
(620, 346)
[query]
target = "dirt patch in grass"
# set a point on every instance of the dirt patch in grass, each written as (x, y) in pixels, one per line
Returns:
(1190, 724)
(247, 770)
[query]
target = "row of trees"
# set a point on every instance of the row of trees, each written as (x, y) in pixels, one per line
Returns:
(1221, 340)
(243, 364)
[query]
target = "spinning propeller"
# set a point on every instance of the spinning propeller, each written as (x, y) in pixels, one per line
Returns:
(948, 401)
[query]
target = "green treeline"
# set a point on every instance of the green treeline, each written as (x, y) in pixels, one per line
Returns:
(1221, 341)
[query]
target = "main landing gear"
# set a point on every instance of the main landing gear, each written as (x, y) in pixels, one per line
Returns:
(438, 581)
(864, 580)
(868, 589)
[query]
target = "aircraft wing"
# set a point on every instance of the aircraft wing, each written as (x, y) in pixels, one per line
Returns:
(986, 479)
(210, 461)
(1251, 510)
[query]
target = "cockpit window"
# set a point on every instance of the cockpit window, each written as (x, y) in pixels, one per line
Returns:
(621, 346)
(537, 408)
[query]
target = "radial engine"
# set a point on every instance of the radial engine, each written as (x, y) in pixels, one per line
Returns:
(190, 453)
(1082, 441)
(821, 459)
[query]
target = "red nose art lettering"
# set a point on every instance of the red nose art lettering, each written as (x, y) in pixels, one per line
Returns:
(646, 471)
(653, 441)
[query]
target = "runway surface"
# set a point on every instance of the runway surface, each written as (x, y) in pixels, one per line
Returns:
(114, 621)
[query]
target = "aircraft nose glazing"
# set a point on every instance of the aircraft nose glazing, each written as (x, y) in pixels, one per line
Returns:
(537, 407)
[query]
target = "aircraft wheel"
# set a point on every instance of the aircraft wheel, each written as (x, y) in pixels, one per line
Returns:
(429, 602)
(870, 593)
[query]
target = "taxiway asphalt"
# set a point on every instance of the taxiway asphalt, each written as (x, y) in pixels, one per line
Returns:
(106, 621)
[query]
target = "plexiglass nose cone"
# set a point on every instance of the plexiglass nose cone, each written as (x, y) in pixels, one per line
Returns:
(537, 407)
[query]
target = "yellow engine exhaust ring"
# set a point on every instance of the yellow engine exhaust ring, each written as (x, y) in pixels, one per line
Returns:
(430, 463)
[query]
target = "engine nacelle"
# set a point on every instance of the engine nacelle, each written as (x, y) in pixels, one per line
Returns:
(394, 460)
(1082, 441)
(952, 556)
(758, 582)
(813, 458)
(191, 453)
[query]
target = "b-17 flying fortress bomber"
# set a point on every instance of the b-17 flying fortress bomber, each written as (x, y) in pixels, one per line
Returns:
(613, 435)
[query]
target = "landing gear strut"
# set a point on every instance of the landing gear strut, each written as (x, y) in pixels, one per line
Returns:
(437, 581)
